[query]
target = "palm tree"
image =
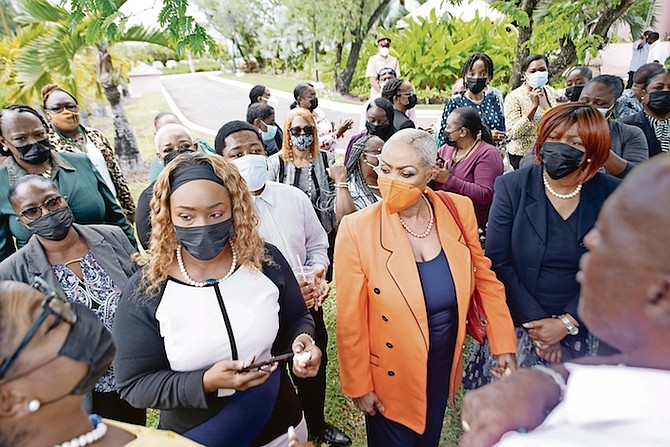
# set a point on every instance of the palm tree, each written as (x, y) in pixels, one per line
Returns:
(55, 49)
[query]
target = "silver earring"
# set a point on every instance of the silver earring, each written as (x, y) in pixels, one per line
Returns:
(34, 405)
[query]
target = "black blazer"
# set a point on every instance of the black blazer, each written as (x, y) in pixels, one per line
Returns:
(400, 121)
(517, 233)
(639, 120)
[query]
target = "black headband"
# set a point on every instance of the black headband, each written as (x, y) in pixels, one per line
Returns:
(189, 173)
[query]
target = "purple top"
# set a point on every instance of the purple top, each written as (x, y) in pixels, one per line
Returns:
(474, 176)
(353, 139)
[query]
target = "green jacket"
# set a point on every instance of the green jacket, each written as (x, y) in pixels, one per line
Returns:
(78, 180)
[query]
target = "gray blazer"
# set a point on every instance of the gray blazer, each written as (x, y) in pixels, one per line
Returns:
(108, 243)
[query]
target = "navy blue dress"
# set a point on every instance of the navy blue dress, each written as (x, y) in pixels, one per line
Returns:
(440, 296)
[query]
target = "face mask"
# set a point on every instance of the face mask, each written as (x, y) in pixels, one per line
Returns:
(88, 342)
(537, 79)
(36, 153)
(384, 51)
(270, 133)
(659, 102)
(302, 142)
(411, 101)
(604, 111)
(560, 159)
(254, 170)
(313, 103)
(167, 158)
(66, 120)
(476, 85)
(573, 93)
(383, 131)
(272, 102)
(53, 226)
(207, 241)
(398, 195)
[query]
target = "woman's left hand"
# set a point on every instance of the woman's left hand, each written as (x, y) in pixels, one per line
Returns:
(547, 331)
(306, 356)
(442, 173)
(505, 365)
(344, 126)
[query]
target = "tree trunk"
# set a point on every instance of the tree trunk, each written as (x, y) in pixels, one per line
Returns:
(343, 80)
(125, 142)
(522, 52)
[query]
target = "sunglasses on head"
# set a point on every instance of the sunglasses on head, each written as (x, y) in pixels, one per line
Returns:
(297, 130)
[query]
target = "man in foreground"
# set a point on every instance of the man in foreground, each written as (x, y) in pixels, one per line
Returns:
(625, 300)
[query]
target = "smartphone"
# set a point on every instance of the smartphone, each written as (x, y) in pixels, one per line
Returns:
(270, 361)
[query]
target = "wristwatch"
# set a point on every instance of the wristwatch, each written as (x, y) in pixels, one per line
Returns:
(572, 329)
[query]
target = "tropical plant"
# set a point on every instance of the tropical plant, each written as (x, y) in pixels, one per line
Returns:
(50, 47)
(431, 52)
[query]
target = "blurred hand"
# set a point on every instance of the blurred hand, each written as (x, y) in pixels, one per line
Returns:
(535, 96)
(321, 287)
(486, 411)
(550, 353)
(505, 365)
(369, 404)
(306, 358)
(430, 129)
(547, 331)
(343, 126)
(225, 374)
(337, 172)
(442, 173)
(497, 135)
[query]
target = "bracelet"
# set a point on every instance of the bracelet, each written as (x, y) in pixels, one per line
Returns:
(555, 375)
(310, 338)
(342, 185)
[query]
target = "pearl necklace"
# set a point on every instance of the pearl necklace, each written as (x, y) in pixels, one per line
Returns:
(88, 438)
(207, 282)
(551, 190)
(309, 173)
(430, 222)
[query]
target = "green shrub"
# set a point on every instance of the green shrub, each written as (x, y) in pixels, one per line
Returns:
(432, 51)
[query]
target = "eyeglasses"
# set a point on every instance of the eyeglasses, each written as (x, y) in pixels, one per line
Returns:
(52, 304)
(35, 212)
(59, 109)
(295, 131)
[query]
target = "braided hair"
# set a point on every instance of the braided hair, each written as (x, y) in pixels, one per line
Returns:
(470, 61)
(392, 88)
(353, 167)
(19, 108)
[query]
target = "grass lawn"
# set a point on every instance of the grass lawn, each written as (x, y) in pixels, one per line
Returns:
(339, 409)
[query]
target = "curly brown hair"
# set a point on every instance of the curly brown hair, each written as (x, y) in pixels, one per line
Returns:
(249, 246)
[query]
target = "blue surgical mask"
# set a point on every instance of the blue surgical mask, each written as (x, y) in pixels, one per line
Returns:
(537, 79)
(254, 170)
(270, 133)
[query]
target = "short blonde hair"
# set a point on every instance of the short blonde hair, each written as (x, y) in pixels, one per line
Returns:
(249, 246)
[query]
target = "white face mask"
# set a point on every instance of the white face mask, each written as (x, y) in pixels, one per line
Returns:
(604, 111)
(272, 102)
(537, 79)
(254, 170)
(384, 51)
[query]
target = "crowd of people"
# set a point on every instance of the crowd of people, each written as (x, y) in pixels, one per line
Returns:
(477, 226)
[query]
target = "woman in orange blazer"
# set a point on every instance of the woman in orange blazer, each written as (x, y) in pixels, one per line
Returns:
(405, 276)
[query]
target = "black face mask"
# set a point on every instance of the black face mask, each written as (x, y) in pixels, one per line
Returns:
(383, 131)
(574, 92)
(35, 153)
(174, 154)
(412, 101)
(88, 342)
(53, 226)
(475, 85)
(313, 103)
(659, 102)
(560, 159)
(207, 241)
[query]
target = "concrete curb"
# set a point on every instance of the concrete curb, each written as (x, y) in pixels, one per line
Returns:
(185, 121)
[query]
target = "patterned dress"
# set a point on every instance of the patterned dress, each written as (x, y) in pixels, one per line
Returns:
(97, 292)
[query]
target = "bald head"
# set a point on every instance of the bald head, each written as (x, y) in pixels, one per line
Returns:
(625, 276)
(172, 137)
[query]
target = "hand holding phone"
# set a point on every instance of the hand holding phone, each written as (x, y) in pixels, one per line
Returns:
(258, 366)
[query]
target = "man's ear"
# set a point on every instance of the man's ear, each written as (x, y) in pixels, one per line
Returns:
(658, 300)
